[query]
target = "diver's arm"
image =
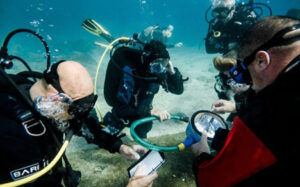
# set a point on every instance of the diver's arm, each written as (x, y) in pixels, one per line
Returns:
(202, 152)
(175, 82)
(179, 44)
(170, 46)
(204, 157)
(95, 134)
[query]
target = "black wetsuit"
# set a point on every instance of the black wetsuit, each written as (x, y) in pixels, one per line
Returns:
(23, 154)
(262, 147)
(230, 32)
(140, 94)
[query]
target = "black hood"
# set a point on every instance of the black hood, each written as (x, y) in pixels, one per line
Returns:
(155, 49)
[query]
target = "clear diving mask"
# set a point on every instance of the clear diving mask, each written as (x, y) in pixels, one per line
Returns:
(157, 66)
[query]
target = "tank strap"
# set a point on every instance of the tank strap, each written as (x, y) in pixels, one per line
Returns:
(32, 125)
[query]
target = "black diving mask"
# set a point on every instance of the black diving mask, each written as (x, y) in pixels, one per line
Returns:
(82, 107)
(79, 108)
(240, 72)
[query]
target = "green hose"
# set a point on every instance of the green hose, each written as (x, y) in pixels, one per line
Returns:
(149, 145)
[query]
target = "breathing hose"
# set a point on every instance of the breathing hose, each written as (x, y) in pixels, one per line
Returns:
(98, 69)
(148, 145)
(3, 50)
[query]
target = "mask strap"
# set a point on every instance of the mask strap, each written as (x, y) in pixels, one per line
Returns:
(51, 76)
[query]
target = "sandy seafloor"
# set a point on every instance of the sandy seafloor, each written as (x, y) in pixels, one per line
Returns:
(99, 168)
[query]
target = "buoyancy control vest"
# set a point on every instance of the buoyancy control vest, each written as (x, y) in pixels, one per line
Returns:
(119, 75)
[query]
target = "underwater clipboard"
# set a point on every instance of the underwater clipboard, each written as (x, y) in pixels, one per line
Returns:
(152, 160)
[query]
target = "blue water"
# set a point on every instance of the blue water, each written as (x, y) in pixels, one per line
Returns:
(59, 21)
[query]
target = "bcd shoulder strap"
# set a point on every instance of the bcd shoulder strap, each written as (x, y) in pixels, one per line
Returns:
(12, 106)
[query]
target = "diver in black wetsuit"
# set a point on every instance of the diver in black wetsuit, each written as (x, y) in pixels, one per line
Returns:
(228, 25)
(261, 148)
(38, 115)
(226, 28)
(133, 77)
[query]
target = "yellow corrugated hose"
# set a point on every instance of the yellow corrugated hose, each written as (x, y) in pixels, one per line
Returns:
(98, 69)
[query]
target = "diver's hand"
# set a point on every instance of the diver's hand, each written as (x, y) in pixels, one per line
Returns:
(140, 180)
(161, 114)
(221, 106)
(132, 152)
(139, 149)
(170, 68)
(202, 146)
(179, 44)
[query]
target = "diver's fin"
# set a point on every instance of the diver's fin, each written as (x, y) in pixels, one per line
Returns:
(93, 27)
(102, 45)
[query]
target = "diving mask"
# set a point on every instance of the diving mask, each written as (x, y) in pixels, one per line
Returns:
(82, 107)
(240, 72)
(157, 66)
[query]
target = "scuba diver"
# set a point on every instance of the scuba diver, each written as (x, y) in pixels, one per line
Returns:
(133, 77)
(262, 147)
(37, 115)
(228, 24)
(226, 88)
(155, 32)
(226, 28)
